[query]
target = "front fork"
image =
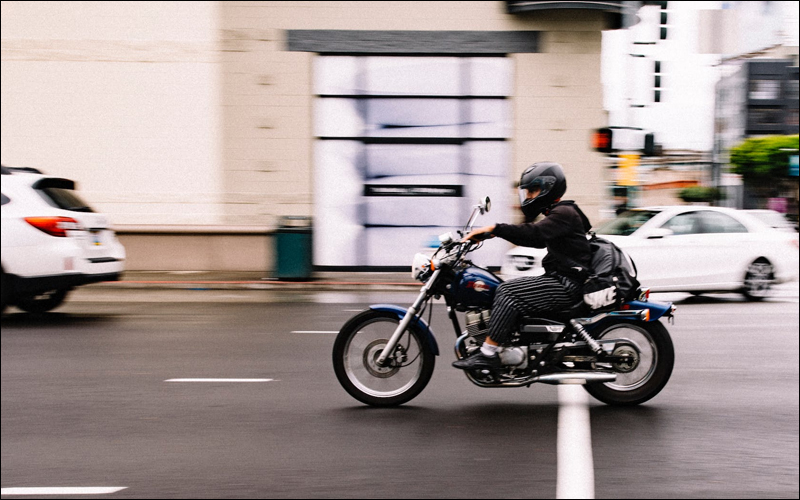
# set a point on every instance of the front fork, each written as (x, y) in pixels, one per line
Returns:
(410, 314)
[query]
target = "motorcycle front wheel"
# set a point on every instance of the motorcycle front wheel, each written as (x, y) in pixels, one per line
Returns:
(637, 382)
(359, 344)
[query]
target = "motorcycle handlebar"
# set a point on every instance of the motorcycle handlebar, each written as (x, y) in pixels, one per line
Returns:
(483, 236)
(455, 250)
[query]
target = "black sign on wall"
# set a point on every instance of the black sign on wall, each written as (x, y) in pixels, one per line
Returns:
(413, 190)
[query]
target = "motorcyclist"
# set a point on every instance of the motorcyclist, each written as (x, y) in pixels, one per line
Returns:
(562, 231)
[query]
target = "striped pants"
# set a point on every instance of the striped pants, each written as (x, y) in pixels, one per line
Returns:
(529, 296)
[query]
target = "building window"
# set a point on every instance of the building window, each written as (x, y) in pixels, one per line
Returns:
(792, 117)
(766, 116)
(765, 89)
(791, 89)
(405, 147)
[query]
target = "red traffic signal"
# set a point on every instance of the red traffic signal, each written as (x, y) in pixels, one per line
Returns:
(602, 140)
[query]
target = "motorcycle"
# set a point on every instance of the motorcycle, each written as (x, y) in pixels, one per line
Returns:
(385, 355)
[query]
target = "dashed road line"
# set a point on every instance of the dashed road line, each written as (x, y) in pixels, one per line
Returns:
(237, 380)
(575, 476)
(41, 491)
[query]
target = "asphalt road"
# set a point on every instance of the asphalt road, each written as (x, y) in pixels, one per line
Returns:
(86, 403)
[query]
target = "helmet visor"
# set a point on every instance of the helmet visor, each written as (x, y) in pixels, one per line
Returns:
(542, 184)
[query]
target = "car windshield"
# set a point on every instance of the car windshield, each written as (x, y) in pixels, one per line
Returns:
(626, 223)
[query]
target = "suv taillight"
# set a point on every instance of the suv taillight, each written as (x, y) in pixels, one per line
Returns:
(54, 226)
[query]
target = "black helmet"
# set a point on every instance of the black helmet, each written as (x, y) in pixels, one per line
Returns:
(549, 178)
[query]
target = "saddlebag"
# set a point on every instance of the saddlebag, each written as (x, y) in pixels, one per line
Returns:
(612, 278)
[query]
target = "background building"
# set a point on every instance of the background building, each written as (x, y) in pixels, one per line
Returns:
(757, 92)
(198, 126)
(759, 98)
(661, 78)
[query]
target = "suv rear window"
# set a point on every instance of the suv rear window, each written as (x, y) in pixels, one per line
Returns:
(59, 193)
(64, 199)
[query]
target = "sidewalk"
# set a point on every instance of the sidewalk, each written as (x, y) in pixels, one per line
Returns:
(257, 281)
(319, 281)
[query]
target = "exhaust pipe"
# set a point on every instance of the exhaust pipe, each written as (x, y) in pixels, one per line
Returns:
(575, 378)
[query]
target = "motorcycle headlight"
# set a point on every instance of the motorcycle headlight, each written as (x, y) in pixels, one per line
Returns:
(420, 266)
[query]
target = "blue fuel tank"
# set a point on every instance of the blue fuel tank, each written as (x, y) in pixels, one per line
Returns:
(475, 287)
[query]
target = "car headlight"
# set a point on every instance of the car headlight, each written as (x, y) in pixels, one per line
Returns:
(522, 262)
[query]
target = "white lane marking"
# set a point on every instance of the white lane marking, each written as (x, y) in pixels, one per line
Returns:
(575, 463)
(241, 380)
(314, 331)
(91, 490)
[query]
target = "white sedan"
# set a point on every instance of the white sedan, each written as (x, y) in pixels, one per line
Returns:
(694, 249)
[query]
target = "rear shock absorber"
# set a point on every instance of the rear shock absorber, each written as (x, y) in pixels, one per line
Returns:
(585, 336)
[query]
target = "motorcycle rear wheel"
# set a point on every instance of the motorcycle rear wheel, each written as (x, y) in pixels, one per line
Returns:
(357, 348)
(656, 358)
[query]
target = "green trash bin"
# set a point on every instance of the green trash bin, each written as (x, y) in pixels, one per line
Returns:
(293, 248)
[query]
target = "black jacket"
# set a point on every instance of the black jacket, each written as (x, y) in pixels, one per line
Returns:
(563, 232)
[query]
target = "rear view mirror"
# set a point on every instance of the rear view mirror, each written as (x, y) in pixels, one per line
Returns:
(482, 207)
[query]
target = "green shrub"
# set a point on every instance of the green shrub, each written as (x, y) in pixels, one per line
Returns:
(697, 194)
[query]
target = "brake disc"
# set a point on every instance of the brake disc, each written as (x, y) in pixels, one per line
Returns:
(371, 354)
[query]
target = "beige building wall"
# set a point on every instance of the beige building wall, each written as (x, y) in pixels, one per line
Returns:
(267, 94)
(122, 97)
(185, 119)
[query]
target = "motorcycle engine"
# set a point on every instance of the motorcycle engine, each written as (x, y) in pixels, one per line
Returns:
(477, 327)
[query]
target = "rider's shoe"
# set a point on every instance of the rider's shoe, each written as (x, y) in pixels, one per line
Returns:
(479, 361)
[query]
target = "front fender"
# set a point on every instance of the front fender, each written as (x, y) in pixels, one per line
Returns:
(420, 323)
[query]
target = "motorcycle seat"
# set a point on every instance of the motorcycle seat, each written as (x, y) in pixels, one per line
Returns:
(577, 310)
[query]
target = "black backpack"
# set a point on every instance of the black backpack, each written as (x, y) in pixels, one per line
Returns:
(612, 278)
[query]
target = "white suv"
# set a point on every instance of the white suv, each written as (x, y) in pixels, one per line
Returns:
(51, 241)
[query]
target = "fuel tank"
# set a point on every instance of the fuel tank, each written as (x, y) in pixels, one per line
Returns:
(474, 287)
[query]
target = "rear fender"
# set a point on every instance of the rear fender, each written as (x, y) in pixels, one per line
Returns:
(419, 323)
(657, 309)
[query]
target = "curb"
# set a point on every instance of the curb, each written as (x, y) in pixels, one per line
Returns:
(254, 285)
(209, 281)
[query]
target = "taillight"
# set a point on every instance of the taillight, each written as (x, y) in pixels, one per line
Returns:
(54, 226)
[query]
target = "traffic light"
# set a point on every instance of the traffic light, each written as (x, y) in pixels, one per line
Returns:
(616, 140)
(649, 145)
(602, 140)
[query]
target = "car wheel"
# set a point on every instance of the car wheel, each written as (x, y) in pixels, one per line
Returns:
(758, 280)
(42, 302)
(5, 291)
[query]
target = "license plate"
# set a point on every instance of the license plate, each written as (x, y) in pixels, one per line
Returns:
(96, 237)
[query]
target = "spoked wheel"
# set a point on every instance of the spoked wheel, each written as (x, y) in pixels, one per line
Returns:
(758, 280)
(650, 354)
(355, 353)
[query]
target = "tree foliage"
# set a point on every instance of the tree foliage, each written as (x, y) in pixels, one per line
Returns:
(764, 159)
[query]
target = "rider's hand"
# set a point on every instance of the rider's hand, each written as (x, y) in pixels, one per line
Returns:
(478, 235)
